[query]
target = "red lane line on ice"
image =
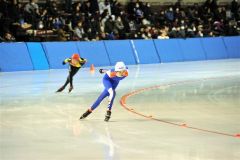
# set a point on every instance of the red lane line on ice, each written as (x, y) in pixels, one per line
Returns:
(136, 92)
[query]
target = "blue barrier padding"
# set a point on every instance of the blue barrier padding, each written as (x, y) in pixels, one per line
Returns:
(233, 46)
(38, 56)
(14, 57)
(169, 50)
(214, 48)
(57, 52)
(192, 49)
(120, 50)
(146, 51)
(94, 52)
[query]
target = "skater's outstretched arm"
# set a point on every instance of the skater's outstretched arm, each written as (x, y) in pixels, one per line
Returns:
(83, 61)
(114, 73)
(102, 71)
(67, 60)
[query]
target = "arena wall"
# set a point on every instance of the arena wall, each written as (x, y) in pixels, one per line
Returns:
(49, 55)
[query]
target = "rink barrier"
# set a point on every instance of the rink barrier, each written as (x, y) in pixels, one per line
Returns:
(214, 48)
(169, 50)
(145, 51)
(38, 56)
(232, 45)
(49, 55)
(94, 52)
(192, 49)
(120, 50)
(56, 52)
(14, 57)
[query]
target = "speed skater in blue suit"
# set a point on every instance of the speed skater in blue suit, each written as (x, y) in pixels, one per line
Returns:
(110, 81)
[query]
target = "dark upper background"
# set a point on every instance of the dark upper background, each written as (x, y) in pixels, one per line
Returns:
(88, 20)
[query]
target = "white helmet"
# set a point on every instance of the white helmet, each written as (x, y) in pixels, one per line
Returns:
(120, 66)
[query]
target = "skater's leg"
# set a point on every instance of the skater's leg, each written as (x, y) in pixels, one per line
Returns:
(67, 81)
(71, 74)
(103, 95)
(65, 84)
(111, 97)
(95, 105)
(107, 84)
(112, 94)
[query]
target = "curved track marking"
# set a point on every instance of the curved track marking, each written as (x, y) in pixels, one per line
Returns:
(150, 117)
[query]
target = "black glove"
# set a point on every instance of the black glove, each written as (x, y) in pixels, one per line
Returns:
(83, 61)
(63, 63)
(101, 71)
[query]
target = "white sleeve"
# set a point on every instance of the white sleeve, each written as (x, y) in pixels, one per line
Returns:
(108, 73)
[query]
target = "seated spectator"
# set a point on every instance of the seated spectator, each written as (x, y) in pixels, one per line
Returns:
(103, 36)
(111, 36)
(130, 7)
(178, 4)
(235, 8)
(94, 8)
(231, 28)
(169, 14)
(32, 7)
(109, 25)
(116, 8)
(93, 23)
(105, 5)
(147, 10)
(61, 34)
(139, 14)
(57, 22)
(90, 35)
(32, 13)
(145, 22)
(2, 39)
(191, 30)
(182, 32)
(199, 33)
(78, 32)
(207, 4)
(8, 37)
(178, 14)
(228, 13)
(132, 27)
(119, 25)
(154, 33)
(218, 27)
(163, 33)
(161, 19)
(51, 7)
(48, 24)
(68, 5)
(86, 7)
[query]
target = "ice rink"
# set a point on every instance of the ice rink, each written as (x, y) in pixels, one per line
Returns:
(172, 111)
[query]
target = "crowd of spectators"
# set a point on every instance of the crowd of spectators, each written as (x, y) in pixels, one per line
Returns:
(90, 20)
